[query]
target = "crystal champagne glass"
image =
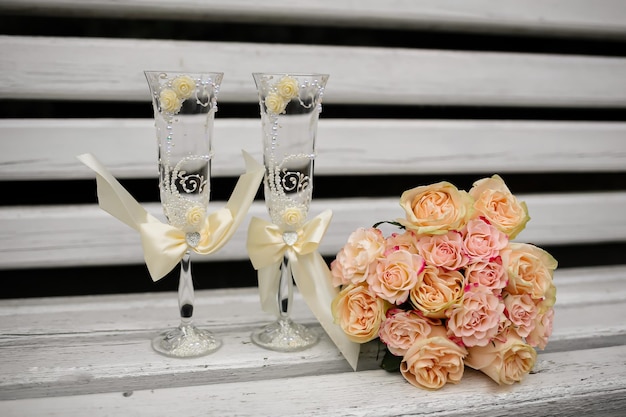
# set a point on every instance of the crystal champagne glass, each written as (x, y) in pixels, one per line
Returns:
(184, 107)
(290, 105)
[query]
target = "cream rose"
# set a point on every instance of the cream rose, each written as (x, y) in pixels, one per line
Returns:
(437, 291)
(359, 313)
(504, 362)
(170, 103)
(275, 103)
(477, 318)
(292, 216)
(183, 86)
(401, 328)
(494, 201)
(195, 216)
(530, 269)
(352, 263)
(436, 208)
(287, 88)
(433, 361)
(445, 251)
(396, 274)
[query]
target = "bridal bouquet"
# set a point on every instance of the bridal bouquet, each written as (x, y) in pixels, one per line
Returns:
(449, 288)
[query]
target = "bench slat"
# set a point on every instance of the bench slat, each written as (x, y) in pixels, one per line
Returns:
(82, 345)
(579, 17)
(53, 236)
(46, 148)
(82, 69)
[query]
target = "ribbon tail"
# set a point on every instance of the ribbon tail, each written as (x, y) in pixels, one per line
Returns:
(163, 247)
(314, 282)
(269, 280)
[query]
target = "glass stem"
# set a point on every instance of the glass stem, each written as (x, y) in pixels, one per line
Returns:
(285, 290)
(185, 291)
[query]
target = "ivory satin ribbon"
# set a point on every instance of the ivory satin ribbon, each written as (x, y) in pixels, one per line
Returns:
(164, 245)
(267, 247)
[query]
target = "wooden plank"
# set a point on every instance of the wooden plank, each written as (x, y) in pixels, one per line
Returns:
(46, 148)
(54, 236)
(576, 17)
(82, 69)
(84, 345)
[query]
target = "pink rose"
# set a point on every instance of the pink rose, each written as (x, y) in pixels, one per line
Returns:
(445, 251)
(352, 263)
(433, 361)
(538, 337)
(489, 274)
(530, 269)
(401, 241)
(358, 312)
(521, 310)
(437, 291)
(494, 201)
(504, 362)
(483, 241)
(436, 208)
(401, 328)
(476, 320)
(397, 272)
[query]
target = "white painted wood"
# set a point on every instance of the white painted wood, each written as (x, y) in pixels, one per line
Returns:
(83, 68)
(100, 344)
(53, 236)
(46, 148)
(579, 17)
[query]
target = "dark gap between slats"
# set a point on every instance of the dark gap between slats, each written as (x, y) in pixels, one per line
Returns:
(309, 34)
(51, 282)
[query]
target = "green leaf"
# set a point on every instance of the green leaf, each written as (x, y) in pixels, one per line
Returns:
(391, 362)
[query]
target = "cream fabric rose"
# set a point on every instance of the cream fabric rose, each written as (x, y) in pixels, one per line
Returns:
(494, 201)
(436, 208)
(401, 328)
(483, 241)
(476, 319)
(530, 269)
(352, 263)
(195, 217)
(170, 103)
(445, 251)
(275, 103)
(437, 291)
(287, 88)
(292, 216)
(396, 274)
(183, 86)
(359, 313)
(504, 362)
(433, 361)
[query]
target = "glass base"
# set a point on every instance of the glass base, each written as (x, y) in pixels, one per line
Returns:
(285, 336)
(186, 342)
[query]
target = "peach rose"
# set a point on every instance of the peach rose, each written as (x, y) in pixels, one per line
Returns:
(504, 362)
(445, 251)
(353, 261)
(483, 241)
(170, 103)
(437, 291)
(477, 318)
(358, 312)
(530, 269)
(195, 216)
(521, 310)
(489, 274)
(538, 337)
(401, 241)
(401, 328)
(275, 103)
(395, 275)
(184, 86)
(433, 361)
(436, 208)
(287, 88)
(494, 201)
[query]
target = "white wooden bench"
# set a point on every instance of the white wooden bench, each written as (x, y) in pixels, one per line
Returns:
(396, 113)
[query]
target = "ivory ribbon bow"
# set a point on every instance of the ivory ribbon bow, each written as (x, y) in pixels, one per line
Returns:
(164, 245)
(267, 246)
